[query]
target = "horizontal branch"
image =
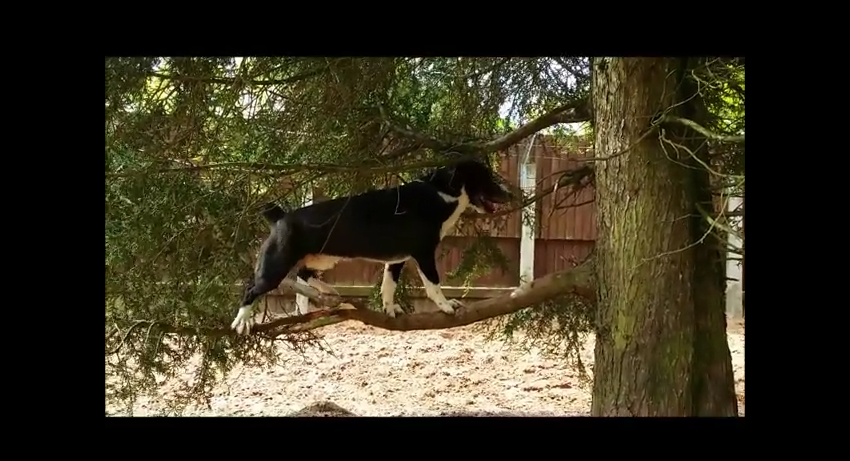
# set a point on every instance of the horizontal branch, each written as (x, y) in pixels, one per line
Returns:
(285, 169)
(230, 81)
(579, 280)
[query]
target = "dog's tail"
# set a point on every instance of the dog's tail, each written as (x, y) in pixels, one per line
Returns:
(272, 213)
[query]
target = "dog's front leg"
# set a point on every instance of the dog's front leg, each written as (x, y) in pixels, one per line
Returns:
(431, 282)
(392, 273)
(270, 271)
(262, 284)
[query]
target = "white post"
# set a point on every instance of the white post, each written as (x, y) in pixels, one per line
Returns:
(734, 292)
(302, 303)
(527, 180)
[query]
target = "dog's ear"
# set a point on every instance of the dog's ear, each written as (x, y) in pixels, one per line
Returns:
(272, 213)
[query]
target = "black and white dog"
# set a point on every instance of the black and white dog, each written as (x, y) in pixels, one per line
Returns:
(389, 226)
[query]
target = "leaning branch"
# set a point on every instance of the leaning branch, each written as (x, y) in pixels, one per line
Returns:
(579, 280)
(568, 113)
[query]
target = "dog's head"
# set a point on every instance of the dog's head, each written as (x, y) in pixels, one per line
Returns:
(485, 188)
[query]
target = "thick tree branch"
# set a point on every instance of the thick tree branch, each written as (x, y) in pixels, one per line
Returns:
(579, 280)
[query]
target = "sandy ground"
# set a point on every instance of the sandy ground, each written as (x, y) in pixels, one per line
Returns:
(381, 373)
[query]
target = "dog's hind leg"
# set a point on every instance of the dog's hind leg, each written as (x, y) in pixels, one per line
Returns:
(392, 272)
(311, 277)
(431, 282)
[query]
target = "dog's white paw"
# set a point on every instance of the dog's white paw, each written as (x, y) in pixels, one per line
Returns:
(244, 320)
(449, 306)
(393, 309)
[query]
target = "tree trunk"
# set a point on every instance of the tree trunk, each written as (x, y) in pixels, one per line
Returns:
(743, 265)
(661, 346)
(714, 380)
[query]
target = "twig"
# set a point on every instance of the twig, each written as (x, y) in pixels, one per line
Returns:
(487, 69)
(701, 130)
(631, 146)
(572, 178)
(139, 323)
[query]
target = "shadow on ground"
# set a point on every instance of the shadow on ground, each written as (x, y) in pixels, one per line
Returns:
(332, 410)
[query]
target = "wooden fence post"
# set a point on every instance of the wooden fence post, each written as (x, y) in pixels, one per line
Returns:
(734, 267)
(527, 182)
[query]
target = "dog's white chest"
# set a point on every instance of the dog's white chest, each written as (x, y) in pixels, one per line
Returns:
(451, 221)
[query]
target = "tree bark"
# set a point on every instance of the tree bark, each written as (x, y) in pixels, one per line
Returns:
(658, 351)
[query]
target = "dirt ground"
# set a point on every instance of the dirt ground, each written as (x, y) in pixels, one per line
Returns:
(426, 373)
